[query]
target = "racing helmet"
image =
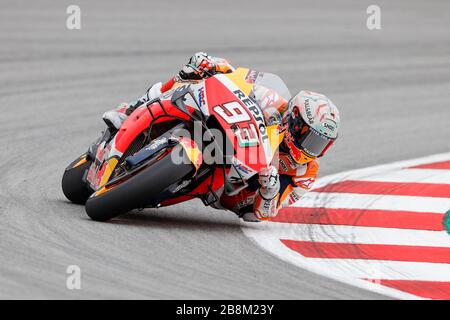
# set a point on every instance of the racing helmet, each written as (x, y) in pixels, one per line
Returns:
(311, 126)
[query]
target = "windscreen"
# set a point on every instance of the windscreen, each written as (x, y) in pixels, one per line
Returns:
(274, 82)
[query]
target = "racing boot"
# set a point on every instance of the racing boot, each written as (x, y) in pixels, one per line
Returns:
(115, 118)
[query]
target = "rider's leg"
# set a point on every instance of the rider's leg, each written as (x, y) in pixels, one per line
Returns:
(241, 204)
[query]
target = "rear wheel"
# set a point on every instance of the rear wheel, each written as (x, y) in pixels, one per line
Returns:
(137, 191)
(73, 186)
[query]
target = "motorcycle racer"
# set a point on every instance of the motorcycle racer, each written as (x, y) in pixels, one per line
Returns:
(310, 122)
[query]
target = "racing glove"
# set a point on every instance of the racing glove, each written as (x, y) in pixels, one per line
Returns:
(201, 65)
(266, 201)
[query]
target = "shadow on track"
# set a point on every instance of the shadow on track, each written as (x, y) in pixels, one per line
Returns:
(171, 218)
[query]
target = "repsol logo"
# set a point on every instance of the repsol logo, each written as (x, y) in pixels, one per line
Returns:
(256, 113)
(308, 112)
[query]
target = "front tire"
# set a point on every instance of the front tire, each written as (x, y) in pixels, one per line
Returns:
(73, 186)
(137, 191)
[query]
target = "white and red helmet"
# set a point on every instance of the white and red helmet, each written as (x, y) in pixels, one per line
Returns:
(312, 124)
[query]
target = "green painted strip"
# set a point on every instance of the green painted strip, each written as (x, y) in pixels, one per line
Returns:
(446, 221)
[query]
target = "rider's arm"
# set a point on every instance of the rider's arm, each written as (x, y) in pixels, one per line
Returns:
(289, 189)
(293, 187)
(266, 199)
(200, 66)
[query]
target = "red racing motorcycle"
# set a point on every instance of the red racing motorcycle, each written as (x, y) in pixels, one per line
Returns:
(197, 140)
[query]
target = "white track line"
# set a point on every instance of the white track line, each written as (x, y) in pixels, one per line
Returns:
(358, 235)
(388, 270)
(378, 202)
(351, 271)
(345, 275)
(377, 269)
(364, 172)
(411, 175)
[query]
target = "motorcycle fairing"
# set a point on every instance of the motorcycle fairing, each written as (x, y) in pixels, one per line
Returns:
(138, 122)
(241, 118)
(208, 94)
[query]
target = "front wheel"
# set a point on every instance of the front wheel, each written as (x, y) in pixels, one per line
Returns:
(73, 186)
(137, 191)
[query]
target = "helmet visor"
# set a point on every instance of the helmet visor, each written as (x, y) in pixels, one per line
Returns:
(314, 143)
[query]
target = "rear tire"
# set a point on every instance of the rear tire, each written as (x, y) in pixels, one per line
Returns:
(73, 186)
(137, 191)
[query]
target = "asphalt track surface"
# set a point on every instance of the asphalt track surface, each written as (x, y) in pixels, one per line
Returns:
(392, 86)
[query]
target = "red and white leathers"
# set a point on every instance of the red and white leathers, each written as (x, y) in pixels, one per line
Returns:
(282, 184)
